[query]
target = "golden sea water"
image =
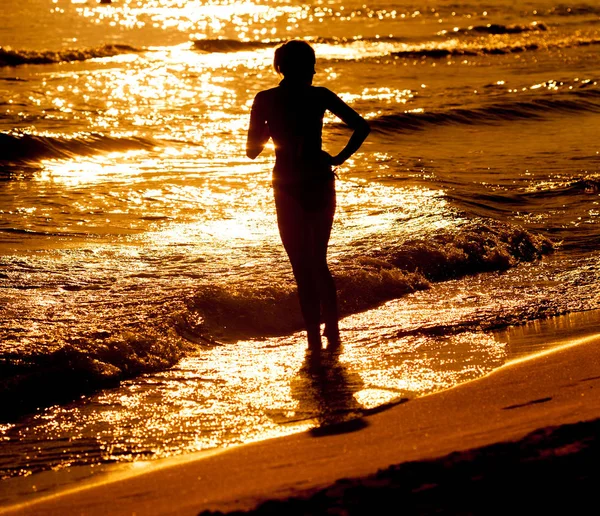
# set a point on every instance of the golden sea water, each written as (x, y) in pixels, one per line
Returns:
(147, 308)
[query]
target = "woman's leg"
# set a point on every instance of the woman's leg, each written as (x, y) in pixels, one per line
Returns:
(322, 222)
(296, 231)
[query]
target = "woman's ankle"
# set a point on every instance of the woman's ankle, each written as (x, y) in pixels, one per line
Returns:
(314, 339)
(332, 334)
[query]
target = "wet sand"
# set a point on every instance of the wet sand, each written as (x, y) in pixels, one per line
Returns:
(522, 436)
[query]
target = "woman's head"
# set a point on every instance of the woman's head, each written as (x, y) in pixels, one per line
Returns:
(295, 60)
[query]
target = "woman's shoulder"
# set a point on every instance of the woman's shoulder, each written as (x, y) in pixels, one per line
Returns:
(266, 93)
(322, 90)
(325, 93)
(264, 98)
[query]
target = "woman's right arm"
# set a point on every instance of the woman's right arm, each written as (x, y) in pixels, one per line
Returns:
(353, 120)
(258, 132)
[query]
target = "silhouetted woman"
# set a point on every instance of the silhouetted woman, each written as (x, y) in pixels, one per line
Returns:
(303, 180)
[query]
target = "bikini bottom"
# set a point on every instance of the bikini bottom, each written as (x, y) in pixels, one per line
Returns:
(310, 195)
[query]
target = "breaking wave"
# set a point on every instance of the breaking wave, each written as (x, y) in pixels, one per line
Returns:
(497, 28)
(23, 148)
(81, 364)
(577, 187)
(584, 100)
(236, 45)
(406, 49)
(9, 57)
(231, 45)
(497, 49)
(571, 10)
(369, 280)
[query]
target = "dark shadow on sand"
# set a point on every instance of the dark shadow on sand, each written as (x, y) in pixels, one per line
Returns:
(324, 389)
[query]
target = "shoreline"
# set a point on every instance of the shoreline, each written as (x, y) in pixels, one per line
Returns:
(553, 388)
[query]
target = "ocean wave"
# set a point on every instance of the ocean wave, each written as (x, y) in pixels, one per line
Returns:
(414, 50)
(550, 197)
(366, 281)
(67, 362)
(576, 187)
(543, 195)
(232, 45)
(497, 28)
(468, 50)
(23, 148)
(497, 112)
(236, 45)
(572, 10)
(23, 231)
(9, 57)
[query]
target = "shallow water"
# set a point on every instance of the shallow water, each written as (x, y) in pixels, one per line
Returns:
(141, 271)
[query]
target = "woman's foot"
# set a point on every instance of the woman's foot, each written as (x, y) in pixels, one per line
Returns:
(314, 340)
(333, 338)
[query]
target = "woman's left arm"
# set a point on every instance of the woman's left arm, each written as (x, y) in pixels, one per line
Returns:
(258, 132)
(353, 120)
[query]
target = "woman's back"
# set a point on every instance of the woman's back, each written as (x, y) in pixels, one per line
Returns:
(293, 113)
(294, 117)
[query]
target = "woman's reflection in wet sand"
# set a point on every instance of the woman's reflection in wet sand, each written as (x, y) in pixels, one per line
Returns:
(324, 389)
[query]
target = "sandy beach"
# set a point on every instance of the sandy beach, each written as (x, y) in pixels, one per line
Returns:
(524, 436)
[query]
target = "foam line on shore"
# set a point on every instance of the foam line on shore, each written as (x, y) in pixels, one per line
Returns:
(555, 348)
